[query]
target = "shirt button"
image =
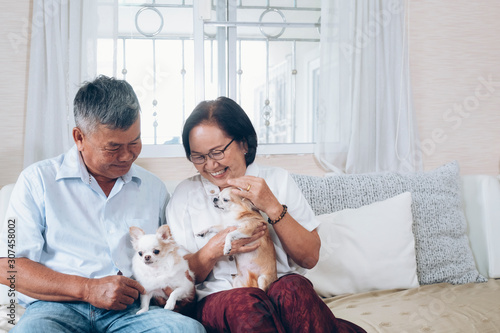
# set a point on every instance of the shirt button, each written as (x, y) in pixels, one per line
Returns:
(231, 258)
(212, 191)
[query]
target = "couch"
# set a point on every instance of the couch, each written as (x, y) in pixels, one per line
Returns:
(401, 252)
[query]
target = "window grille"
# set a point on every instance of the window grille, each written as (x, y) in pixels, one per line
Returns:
(262, 53)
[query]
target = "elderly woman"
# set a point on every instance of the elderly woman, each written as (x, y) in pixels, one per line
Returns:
(220, 141)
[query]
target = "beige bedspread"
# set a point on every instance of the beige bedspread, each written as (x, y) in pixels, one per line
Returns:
(436, 308)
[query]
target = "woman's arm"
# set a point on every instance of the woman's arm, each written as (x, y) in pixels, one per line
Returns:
(299, 243)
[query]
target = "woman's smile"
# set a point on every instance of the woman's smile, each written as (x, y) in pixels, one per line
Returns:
(219, 173)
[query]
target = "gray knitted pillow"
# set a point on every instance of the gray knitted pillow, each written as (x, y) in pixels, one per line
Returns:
(439, 225)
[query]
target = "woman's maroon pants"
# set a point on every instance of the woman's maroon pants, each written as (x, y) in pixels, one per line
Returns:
(290, 305)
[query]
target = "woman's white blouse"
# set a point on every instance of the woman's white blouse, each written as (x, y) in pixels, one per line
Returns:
(191, 210)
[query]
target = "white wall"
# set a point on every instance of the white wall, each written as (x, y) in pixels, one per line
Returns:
(15, 19)
(455, 48)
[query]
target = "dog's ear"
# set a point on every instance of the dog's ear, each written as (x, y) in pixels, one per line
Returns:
(247, 204)
(163, 232)
(135, 234)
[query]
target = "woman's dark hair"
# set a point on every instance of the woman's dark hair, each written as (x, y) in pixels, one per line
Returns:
(230, 117)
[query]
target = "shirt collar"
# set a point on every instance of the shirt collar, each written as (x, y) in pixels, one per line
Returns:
(73, 167)
(211, 189)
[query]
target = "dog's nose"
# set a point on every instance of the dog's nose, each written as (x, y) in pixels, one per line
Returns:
(147, 258)
(216, 199)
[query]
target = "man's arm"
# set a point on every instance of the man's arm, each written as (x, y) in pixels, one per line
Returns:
(35, 280)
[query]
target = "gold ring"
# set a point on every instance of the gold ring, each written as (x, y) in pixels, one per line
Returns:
(249, 187)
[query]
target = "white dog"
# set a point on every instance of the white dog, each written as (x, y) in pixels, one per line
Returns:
(256, 268)
(159, 263)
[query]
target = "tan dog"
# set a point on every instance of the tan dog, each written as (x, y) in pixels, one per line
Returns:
(256, 268)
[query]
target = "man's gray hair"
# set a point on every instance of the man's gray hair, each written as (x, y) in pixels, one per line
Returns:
(105, 101)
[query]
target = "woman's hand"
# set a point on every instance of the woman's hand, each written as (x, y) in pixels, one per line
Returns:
(241, 245)
(256, 190)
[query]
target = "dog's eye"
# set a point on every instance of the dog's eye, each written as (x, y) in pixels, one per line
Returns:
(226, 200)
(140, 253)
(156, 251)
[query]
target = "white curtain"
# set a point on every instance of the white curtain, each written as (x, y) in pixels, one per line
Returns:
(366, 120)
(62, 56)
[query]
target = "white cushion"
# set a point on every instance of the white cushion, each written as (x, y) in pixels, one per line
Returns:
(482, 199)
(368, 248)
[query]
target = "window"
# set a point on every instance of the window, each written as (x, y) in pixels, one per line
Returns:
(264, 54)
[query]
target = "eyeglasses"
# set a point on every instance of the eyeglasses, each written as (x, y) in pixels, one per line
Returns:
(214, 154)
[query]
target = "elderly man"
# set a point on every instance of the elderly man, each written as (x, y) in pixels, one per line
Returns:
(72, 216)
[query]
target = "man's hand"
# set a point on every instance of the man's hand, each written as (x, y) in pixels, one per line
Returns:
(112, 292)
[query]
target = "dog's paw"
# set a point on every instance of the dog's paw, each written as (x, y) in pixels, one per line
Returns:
(202, 233)
(227, 249)
(142, 310)
(170, 304)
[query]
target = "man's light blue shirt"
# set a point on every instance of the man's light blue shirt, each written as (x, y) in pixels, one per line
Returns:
(65, 221)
